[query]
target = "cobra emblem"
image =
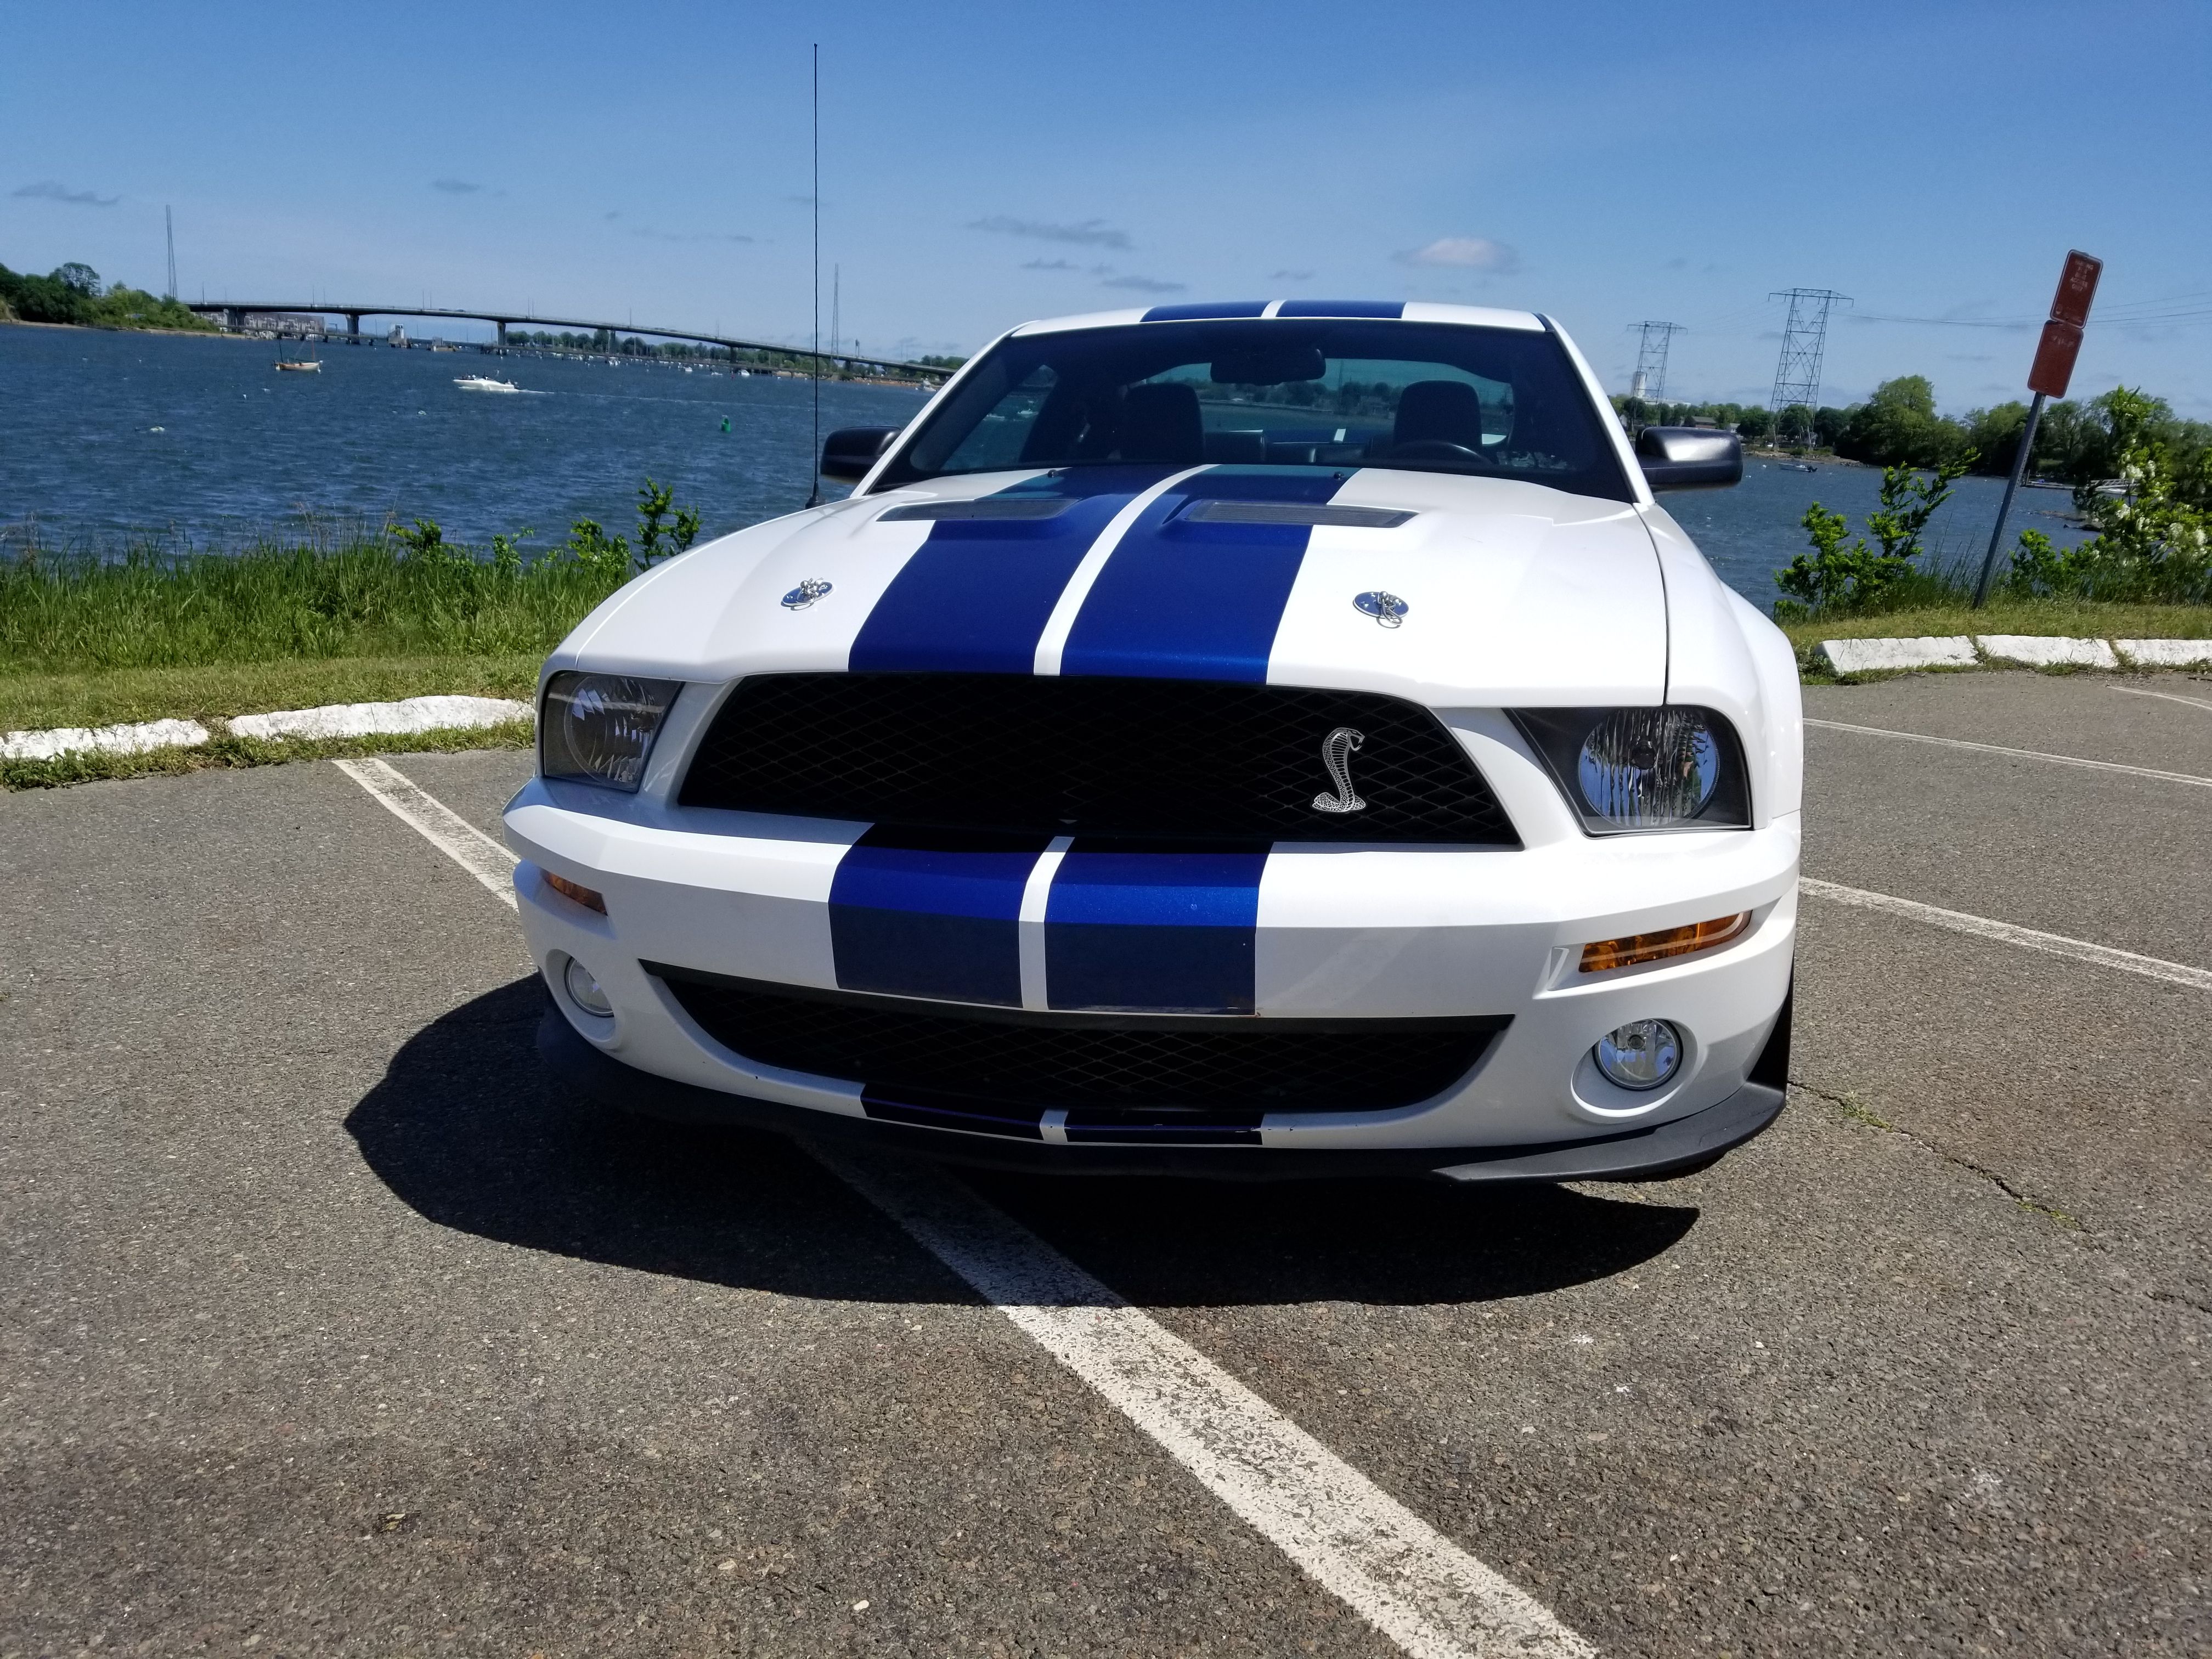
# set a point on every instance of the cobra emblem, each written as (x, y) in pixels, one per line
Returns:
(1336, 754)
(804, 594)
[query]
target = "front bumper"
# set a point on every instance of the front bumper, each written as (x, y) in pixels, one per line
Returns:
(1657, 1152)
(1342, 934)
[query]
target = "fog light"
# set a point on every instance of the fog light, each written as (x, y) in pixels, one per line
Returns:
(1641, 1055)
(584, 990)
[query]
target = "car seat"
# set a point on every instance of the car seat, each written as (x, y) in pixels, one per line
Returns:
(1160, 423)
(1439, 411)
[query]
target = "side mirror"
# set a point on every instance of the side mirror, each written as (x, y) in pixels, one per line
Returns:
(850, 450)
(1689, 458)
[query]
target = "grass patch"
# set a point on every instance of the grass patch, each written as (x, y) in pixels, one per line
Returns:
(349, 593)
(2094, 619)
(224, 753)
(35, 700)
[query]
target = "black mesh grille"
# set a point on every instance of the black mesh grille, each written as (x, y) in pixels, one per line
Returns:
(1121, 1065)
(1081, 756)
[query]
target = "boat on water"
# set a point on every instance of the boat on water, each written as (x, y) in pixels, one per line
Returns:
(484, 383)
(302, 364)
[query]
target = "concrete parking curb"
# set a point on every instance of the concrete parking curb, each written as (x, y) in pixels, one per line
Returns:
(407, 717)
(2029, 650)
(102, 739)
(363, 719)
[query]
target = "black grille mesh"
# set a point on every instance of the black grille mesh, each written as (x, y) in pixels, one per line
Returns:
(1129, 1066)
(1081, 756)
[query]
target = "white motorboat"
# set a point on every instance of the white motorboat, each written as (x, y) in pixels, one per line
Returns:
(484, 383)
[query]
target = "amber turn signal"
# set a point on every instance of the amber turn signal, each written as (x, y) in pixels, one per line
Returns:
(591, 900)
(1657, 947)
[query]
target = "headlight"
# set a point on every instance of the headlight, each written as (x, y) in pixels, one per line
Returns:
(599, 728)
(1643, 768)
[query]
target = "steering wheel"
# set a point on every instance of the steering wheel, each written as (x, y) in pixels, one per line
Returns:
(1435, 449)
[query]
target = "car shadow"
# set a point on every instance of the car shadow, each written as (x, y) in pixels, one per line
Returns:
(467, 1128)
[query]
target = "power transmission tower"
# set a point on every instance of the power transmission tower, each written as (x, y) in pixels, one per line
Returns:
(169, 225)
(1650, 381)
(1804, 338)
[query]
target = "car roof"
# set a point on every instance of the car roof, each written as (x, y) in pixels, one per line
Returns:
(1411, 311)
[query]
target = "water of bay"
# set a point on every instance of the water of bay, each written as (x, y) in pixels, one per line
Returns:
(105, 437)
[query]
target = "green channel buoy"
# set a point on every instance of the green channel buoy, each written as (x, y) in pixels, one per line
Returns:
(726, 424)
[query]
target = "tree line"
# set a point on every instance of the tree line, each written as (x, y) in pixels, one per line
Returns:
(74, 294)
(2079, 442)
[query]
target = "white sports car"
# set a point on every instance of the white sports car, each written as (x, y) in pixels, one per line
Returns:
(1241, 739)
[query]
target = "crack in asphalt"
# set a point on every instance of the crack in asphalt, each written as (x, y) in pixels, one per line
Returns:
(1848, 1108)
(1852, 1110)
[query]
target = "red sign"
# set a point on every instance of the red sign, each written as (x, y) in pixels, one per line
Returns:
(2054, 358)
(2077, 285)
(2062, 336)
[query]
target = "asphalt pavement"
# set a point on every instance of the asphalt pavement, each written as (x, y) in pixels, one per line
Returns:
(329, 1325)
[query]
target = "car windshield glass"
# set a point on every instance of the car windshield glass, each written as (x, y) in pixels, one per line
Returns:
(1419, 396)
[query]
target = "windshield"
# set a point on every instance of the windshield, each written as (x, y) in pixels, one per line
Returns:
(1419, 397)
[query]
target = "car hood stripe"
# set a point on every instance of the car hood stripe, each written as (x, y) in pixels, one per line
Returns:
(1181, 600)
(976, 595)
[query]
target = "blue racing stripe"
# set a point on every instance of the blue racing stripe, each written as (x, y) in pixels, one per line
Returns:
(1205, 312)
(918, 913)
(1197, 601)
(1159, 929)
(977, 592)
(1392, 308)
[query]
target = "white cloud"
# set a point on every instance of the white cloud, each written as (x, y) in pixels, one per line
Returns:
(455, 186)
(1464, 253)
(1144, 284)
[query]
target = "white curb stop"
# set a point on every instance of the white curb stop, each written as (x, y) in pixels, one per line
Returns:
(102, 739)
(2031, 650)
(2168, 653)
(343, 719)
(1861, 656)
(364, 720)
(2048, 650)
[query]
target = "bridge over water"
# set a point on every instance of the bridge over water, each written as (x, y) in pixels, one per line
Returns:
(234, 313)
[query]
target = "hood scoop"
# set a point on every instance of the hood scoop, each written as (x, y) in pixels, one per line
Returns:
(999, 507)
(1308, 513)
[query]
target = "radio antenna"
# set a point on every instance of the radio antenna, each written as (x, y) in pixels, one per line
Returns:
(814, 453)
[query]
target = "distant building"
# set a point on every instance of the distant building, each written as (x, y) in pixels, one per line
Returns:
(285, 324)
(397, 337)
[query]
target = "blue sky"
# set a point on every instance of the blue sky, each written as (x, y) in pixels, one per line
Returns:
(986, 163)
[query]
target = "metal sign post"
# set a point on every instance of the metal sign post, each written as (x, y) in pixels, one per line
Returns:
(2048, 376)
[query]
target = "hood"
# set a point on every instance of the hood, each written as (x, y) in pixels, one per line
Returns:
(1448, 590)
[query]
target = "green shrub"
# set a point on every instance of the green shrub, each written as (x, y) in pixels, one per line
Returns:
(1841, 576)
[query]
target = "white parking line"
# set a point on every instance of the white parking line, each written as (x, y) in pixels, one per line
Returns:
(2018, 754)
(2167, 696)
(2028, 939)
(1428, 1595)
(1410, 1581)
(442, 827)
